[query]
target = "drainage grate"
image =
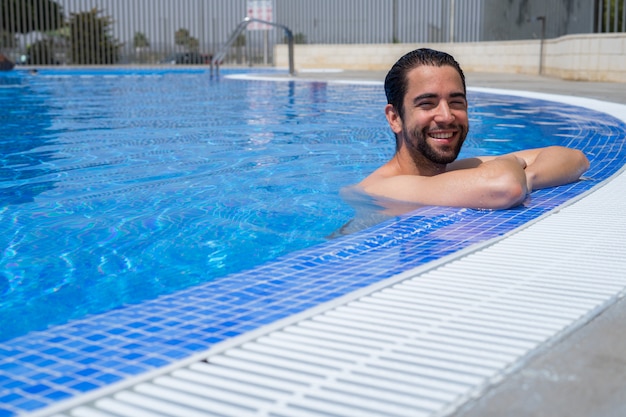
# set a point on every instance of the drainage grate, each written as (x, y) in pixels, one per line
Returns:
(421, 346)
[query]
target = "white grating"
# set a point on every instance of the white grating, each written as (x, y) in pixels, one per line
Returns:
(421, 346)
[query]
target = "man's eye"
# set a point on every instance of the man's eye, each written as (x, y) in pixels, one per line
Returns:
(426, 104)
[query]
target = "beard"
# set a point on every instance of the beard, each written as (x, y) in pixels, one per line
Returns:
(421, 149)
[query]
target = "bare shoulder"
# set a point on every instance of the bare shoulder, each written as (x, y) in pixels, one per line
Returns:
(382, 173)
(388, 181)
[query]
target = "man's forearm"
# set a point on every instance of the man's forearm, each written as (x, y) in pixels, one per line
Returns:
(554, 166)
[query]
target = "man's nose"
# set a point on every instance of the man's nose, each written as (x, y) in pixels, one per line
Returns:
(444, 114)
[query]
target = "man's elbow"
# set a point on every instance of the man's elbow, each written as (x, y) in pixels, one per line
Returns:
(583, 162)
(577, 162)
(511, 196)
(509, 191)
(578, 166)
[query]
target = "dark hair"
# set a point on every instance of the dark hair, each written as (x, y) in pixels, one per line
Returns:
(396, 82)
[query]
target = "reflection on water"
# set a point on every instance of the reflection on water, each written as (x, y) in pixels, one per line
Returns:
(369, 210)
(25, 120)
(4, 284)
(118, 187)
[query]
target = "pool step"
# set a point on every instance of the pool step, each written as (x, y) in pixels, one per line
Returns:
(421, 344)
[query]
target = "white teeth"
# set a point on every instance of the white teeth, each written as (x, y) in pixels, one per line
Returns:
(441, 135)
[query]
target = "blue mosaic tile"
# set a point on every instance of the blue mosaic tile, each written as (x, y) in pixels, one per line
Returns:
(64, 380)
(85, 386)
(63, 395)
(30, 405)
(111, 378)
(35, 389)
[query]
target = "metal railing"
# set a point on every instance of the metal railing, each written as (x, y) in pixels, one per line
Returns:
(96, 32)
(219, 56)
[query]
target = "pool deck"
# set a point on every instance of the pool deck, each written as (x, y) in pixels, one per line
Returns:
(583, 374)
(606, 91)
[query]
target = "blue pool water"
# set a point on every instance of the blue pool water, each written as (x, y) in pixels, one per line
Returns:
(120, 187)
(130, 185)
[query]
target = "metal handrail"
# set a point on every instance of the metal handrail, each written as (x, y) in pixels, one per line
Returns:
(217, 58)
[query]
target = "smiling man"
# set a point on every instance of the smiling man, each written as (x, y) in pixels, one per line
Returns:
(427, 111)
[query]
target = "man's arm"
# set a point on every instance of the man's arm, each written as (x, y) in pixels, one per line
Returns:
(545, 167)
(552, 166)
(495, 184)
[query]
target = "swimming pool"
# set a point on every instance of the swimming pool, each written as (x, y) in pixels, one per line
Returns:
(313, 129)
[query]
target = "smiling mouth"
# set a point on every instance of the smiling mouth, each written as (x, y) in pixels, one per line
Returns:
(441, 135)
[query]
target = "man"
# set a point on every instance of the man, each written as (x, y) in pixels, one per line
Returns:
(427, 111)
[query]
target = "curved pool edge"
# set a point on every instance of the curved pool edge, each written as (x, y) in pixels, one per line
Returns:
(611, 293)
(616, 110)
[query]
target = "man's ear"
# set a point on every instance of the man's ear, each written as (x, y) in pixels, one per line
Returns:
(393, 118)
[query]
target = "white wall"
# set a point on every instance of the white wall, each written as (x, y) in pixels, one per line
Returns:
(591, 57)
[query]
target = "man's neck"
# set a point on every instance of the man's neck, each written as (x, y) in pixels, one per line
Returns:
(417, 165)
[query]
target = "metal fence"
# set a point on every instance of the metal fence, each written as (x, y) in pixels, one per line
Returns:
(96, 32)
(611, 16)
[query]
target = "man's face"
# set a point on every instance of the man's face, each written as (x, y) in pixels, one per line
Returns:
(434, 122)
